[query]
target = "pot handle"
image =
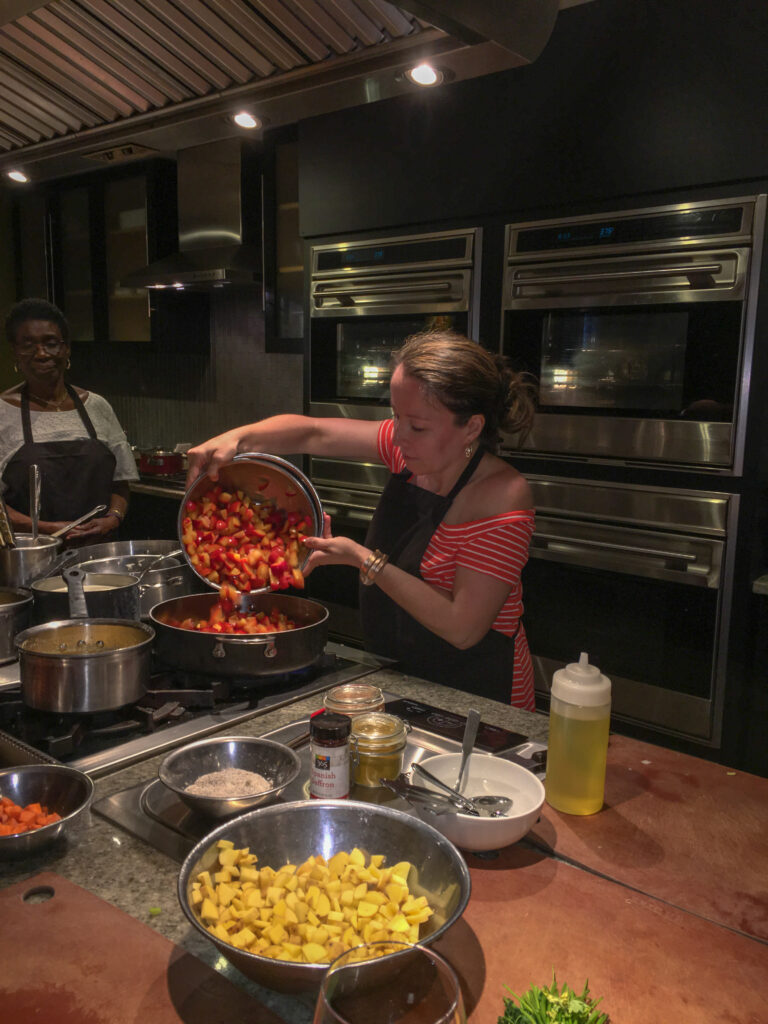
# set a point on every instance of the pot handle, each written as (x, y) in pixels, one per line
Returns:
(75, 578)
(268, 643)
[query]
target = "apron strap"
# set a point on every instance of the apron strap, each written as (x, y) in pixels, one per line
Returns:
(26, 419)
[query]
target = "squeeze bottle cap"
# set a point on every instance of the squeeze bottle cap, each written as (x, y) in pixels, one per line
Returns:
(581, 683)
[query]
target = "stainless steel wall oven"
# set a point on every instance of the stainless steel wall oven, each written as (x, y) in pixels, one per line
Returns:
(366, 296)
(638, 577)
(638, 326)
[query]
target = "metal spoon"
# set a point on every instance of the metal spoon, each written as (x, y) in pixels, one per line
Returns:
(420, 796)
(468, 743)
(487, 806)
(34, 499)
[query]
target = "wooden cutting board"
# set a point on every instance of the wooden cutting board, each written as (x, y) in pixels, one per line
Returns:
(687, 830)
(75, 959)
(531, 914)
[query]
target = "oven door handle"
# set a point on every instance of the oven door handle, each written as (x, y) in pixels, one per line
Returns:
(542, 546)
(363, 511)
(687, 271)
(373, 289)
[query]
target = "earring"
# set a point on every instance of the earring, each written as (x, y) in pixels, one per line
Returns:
(15, 368)
(69, 363)
(468, 451)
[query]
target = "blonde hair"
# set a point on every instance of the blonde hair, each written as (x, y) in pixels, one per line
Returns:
(469, 380)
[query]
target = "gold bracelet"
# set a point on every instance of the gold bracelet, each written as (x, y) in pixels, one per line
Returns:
(116, 512)
(372, 566)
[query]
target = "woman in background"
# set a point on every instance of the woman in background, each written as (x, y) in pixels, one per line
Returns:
(71, 434)
(440, 569)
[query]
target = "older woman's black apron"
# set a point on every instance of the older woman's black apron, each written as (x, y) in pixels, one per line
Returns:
(75, 475)
(402, 527)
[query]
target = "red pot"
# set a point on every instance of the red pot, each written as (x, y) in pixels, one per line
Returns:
(157, 462)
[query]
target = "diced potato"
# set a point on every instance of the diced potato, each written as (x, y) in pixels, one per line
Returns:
(308, 913)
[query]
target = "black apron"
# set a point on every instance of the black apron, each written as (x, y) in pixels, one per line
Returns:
(75, 475)
(402, 527)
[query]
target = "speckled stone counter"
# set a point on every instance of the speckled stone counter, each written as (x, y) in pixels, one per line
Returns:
(133, 876)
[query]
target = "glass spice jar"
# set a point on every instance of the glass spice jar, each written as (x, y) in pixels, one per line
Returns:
(329, 756)
(377, 743)
(354, 699)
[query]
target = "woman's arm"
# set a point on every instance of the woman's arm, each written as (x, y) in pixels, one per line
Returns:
(283, 435)
(461, 617)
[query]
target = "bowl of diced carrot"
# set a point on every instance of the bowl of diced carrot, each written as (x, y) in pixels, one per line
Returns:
(39, 803)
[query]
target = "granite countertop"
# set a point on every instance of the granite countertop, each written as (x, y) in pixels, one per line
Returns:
(133, 876)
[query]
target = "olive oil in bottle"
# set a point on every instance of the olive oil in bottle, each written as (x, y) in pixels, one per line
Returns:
(579, 718)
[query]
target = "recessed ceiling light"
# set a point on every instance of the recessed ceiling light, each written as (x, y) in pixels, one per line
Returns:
(425, 74)
(17, 176)
(246, 120)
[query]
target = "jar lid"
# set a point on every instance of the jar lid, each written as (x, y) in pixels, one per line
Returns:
(354, 698)
(378, 731)
(329, 727)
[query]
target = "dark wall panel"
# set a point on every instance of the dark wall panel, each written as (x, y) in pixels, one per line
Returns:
(628, 97)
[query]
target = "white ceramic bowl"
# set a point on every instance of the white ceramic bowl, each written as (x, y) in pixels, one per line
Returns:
(485, 774)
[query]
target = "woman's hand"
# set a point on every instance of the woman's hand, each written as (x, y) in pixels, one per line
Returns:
(209, 456)
(97, 527)
(330, 550)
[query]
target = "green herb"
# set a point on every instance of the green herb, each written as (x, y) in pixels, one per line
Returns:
(154, 911)
(552, 1006)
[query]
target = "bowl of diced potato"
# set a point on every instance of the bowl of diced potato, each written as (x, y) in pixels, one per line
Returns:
(283, 890)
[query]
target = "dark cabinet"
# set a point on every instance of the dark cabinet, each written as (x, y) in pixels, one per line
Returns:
(77, 239)
(284, 278)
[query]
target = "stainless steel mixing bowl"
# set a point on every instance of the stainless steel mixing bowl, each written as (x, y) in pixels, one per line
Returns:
(292, 832)
(57, 787)
(276, 762)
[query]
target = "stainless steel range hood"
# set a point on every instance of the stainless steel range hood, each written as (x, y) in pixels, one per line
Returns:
(220, 221)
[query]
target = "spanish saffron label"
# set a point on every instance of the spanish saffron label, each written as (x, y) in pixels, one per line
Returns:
(329, 772)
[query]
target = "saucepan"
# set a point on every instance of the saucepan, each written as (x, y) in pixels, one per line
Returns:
(159, 576)
(107, 595)
(15, 609)
(83, 665)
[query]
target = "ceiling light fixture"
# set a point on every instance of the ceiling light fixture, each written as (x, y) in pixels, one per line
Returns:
(425, 74)
(246, 120)
(18, 176)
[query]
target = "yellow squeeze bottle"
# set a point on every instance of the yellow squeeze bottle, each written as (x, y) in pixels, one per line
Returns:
(579, 719)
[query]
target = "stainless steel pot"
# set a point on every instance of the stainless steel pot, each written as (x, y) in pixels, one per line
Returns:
(15, 611)
(116, 548)
(234, 655)
(28, 560)
(84, 665)
(174, 578)
(117, 597)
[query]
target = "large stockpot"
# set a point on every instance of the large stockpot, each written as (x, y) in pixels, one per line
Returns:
(172, 578)
(240, 655)
(28, 560)
(15, 612)
(84, 665)
(107, 596)
(116, 548)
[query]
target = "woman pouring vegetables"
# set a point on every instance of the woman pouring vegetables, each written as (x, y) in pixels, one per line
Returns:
(440, 568)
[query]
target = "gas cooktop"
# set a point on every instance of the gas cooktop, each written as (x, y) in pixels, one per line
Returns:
(178, 707)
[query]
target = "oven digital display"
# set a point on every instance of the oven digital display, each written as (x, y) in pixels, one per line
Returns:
(392, 254)
(627, 361)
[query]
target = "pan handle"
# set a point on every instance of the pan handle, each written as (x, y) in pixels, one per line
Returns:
(75, 578)
(268, 643)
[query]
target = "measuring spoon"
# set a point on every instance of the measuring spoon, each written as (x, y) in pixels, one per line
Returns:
(488, 806)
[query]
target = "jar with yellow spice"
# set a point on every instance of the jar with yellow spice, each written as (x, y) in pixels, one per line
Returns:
(354, 699)
(377, 743)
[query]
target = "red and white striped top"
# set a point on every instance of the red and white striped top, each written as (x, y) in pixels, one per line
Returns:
(496, 546)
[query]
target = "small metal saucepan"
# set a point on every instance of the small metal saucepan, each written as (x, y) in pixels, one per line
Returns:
(15, 610)
(107, 595)
(83, 665)
(159, 576)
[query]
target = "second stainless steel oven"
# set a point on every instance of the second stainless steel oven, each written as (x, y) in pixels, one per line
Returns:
(366, 296)
(639, 328)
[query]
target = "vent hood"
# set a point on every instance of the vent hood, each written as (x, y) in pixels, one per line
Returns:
(220, 221)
